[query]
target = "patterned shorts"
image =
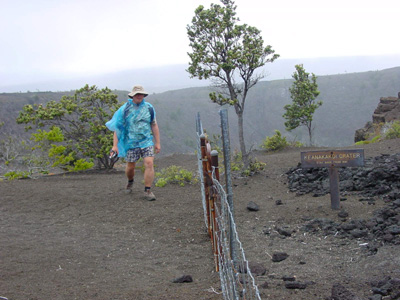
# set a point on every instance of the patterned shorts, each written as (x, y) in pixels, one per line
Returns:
(133, 155)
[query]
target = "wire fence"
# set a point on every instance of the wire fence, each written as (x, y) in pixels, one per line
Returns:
(237, 282)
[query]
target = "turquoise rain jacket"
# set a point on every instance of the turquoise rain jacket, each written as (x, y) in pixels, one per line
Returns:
(132, 124)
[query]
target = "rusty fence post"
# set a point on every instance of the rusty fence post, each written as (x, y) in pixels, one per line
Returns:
(203, 147)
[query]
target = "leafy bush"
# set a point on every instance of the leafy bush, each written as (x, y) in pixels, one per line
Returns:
(375, 139)
(255, 166)
(297, 144)
(16, 175)
(393, 131)
(377, 129)
(81, 120)
(58, 154)
(237, 159)
(81, 165)
(275, 143)
(174, 175)
(387, 131)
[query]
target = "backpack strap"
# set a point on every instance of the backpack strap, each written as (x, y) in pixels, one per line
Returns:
(151, 111)
(126, 110)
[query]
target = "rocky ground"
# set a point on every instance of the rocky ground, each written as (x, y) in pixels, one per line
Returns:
(79, 236)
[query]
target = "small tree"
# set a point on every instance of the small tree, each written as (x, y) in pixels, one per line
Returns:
(81, 119)
(226, 53)
(303, 92)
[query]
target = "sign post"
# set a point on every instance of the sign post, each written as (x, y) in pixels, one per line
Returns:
(334, 187)
(333, 159)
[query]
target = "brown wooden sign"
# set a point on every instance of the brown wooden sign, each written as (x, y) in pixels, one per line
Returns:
(332, 158)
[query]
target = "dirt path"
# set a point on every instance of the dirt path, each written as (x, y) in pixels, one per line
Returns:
(79, 236)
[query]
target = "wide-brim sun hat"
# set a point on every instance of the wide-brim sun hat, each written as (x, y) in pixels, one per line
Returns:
(138, 89)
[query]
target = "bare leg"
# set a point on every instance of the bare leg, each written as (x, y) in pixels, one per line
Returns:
(130, 170)
(148, 171)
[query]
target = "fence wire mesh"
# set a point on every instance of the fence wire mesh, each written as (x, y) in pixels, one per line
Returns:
(237, 282)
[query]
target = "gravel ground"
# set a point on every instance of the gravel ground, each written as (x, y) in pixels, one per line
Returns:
(79, 236)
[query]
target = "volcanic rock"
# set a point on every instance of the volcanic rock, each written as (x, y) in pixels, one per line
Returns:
(251, 206)
(279, 256)
(183, 279)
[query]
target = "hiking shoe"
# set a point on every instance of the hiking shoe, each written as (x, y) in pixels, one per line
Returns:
(129, 187)
(149, 196)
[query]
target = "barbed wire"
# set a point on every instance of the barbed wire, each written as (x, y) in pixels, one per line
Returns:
(236, 279)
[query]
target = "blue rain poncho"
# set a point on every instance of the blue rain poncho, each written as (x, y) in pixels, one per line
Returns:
(132, 124)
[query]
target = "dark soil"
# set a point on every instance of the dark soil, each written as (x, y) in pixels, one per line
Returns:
(79, 236)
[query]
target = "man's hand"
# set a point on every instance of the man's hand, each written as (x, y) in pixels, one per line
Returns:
(114, 150)
(157, 148)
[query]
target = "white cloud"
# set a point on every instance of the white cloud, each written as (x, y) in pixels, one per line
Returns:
(87, 36)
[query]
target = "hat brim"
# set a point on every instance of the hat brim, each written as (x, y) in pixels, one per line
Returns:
(131, 94)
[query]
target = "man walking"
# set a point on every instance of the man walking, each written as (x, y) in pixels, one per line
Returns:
(134, 125)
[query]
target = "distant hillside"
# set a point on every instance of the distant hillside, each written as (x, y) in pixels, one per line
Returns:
(348, 103)
(12, 103)
(172, 77)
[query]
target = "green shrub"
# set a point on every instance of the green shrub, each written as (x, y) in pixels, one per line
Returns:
(161, 182)
(174, 175)
(275, 143)
(16, 175)
(297, 144)
(80, 165)
(375, 139)
(77, 122)
(393, 131)
(59, 155)
(237, 161)
(255, 166)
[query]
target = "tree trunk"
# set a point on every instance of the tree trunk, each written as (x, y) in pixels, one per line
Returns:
(310, 134)
(245, 155)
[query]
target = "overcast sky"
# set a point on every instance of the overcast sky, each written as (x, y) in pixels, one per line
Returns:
(99, 36)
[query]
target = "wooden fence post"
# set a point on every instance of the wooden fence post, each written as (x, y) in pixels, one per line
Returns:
(203, 146)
